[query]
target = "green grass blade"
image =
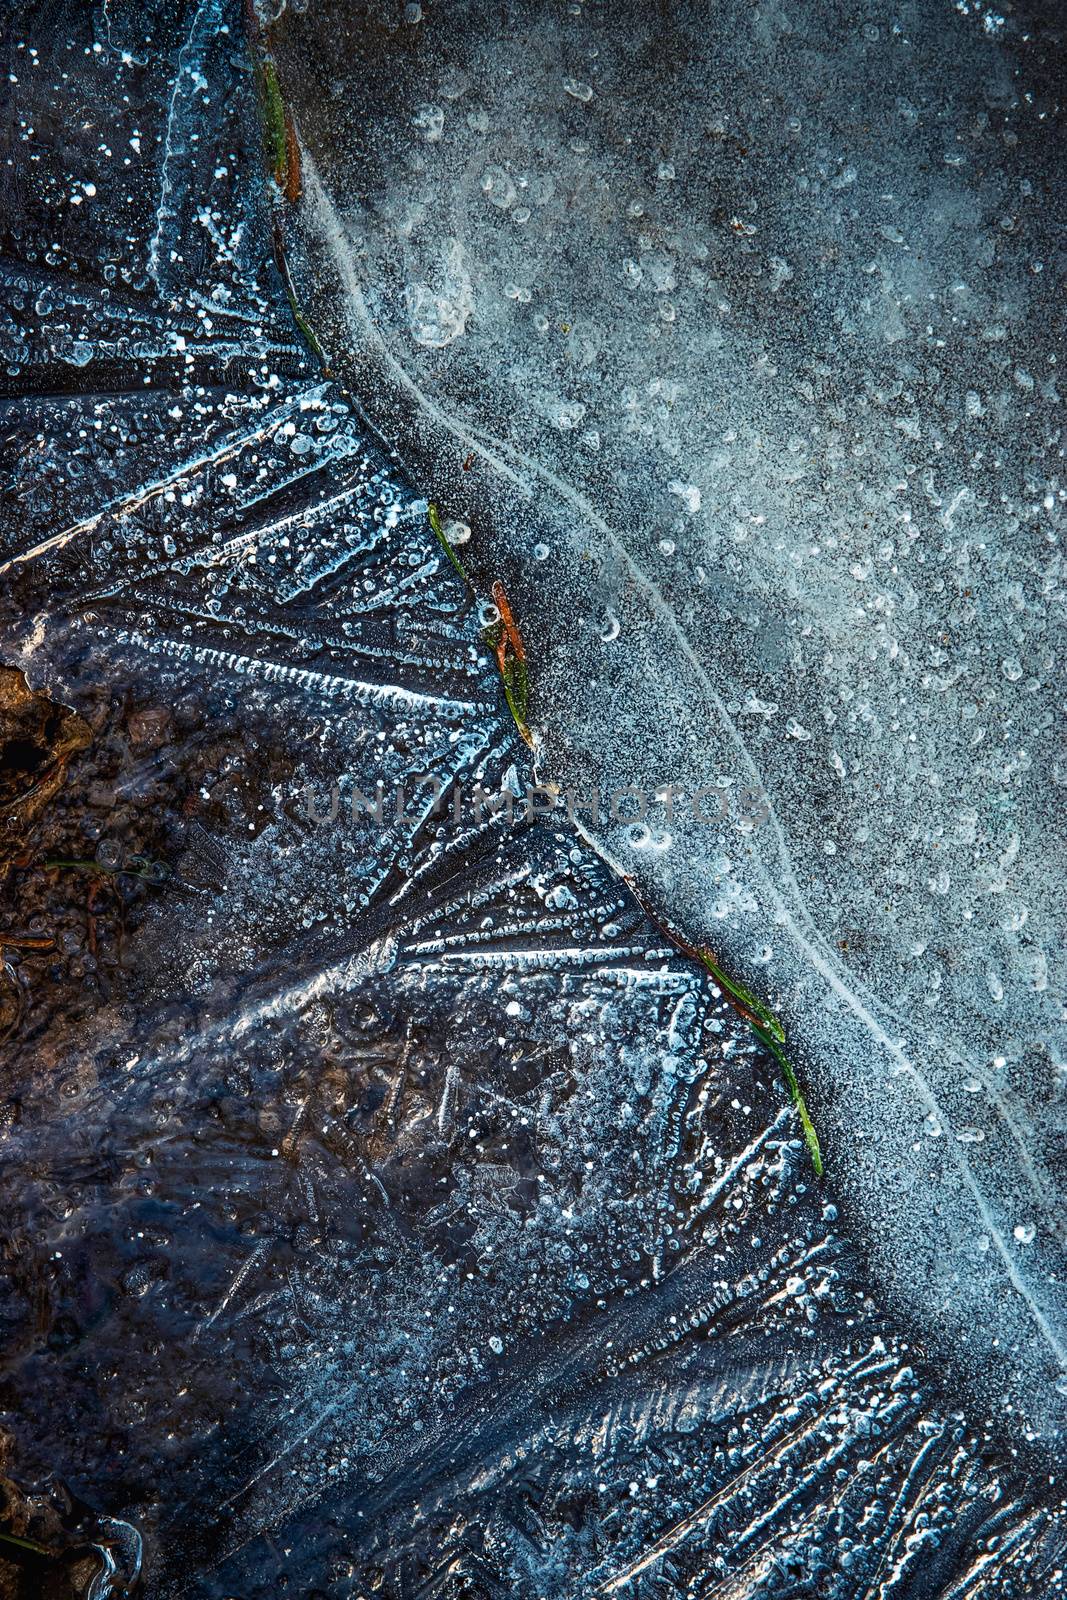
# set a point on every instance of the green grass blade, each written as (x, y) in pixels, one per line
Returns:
(763, 1015)
(517, 707)
(28, 1544)
(439, 534)
(811, 1138)
(274, 117)
(517, 689)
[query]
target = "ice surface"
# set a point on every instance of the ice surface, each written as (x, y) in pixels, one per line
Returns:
(757, 353)
(417, 1219)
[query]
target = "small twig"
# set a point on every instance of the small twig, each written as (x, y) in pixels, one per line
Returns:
(20, 1003)
(505, 640)
(57, 769)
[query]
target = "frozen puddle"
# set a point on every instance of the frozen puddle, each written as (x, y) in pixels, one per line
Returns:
(754, 401)
(404, 1213)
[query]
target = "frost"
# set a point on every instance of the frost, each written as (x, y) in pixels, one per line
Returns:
(415, 1216)
(687, 493)
(854, 367)
(436, 316)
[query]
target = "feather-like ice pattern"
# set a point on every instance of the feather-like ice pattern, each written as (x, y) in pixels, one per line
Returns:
(422, 1221)
(754, 401)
